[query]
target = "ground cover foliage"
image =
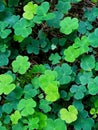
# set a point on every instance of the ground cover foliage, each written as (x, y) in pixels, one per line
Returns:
(48, 65)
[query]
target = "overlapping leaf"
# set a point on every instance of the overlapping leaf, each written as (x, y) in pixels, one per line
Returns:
(23, 27)
(49, 85)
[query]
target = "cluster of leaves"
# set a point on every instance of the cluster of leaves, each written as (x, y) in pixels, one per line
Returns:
(48, 65)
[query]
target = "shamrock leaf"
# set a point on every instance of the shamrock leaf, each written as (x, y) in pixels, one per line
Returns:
(56, 20)
(33, 123)
(28, 109)
(21, 64)
(33, 47)
(92, 14)
(7, 108)
(30, 10)
(83, 122)
(52, 95)
(49, 85)
(56, 124)
(43, 8)
(79, 47)
(68, 25)
(63, 6)
(93, 86)
(69, 115)
(42, 13)
(85, 77)
(47, 78)
(15, 117)
(84, 27)
(4, 31)
(78, 91)
(81, 44)
(93, 38)
(6, 85)
(23, 27)
(88, 62)
(29, 91)
(64, 73)
(18, 38)
(54, 58)
(71, 54)
(44, 105)
(4, 58)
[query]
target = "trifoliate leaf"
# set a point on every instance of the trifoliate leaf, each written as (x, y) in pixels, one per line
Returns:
(43, 8)
(69, 115)
(56, 124)
(21, 64)
(64, 73)
(78, 91)
(63, 6)
(52, 93)
(93, 86)
(4, 30)
(83, 122)
(6, 85)
(79, 47)
(71, 54)
(49, 85)
(68, 25)
(18, 38)
(28, 109)
(15, 117)
(54, 58)
(93, 38)
(33, 123)
(88, 62)
(4, 58)
(30, 10)
(44, 105)
(23, 27)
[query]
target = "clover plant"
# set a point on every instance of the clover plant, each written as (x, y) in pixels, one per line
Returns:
(48, 65)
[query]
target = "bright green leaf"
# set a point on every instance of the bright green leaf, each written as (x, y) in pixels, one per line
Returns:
(15, 117)
(68, 25)
(69, 115)
(21, 64)
(28, 109)
(30, 10)
(6, 85)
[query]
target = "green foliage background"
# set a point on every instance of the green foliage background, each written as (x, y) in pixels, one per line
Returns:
(48, 65)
